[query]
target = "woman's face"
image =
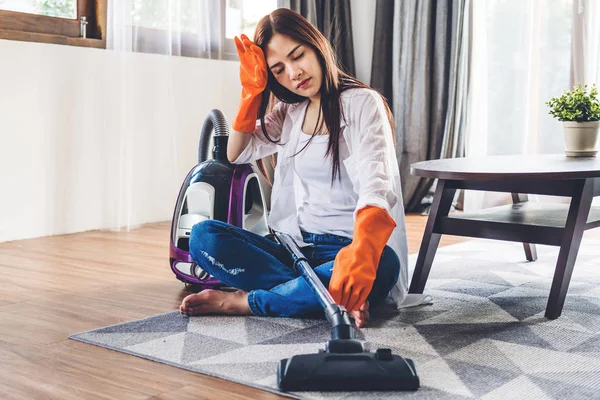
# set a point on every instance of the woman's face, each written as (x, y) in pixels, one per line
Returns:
(294, 65)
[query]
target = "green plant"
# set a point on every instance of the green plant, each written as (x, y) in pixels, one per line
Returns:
(579, 105)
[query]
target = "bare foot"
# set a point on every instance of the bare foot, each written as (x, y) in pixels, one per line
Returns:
(211, 301)
(361, 317)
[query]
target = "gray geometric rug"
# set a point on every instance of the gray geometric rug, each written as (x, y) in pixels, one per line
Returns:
(485, 336)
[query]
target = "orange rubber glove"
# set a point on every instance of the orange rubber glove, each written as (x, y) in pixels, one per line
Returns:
(355, 266)
(253, 76)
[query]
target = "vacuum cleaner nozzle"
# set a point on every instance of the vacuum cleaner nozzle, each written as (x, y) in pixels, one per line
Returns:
(364, 371)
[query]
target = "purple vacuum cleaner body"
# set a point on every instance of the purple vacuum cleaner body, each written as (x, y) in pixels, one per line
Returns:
(214, 189)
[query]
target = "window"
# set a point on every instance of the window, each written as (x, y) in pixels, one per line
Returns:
(73, 22)
(194, 28)
(51, 8)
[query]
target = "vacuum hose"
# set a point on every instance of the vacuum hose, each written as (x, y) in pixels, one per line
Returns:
(341, 327)
(215, 119)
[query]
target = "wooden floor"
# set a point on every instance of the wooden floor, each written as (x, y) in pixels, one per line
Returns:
(55, 286)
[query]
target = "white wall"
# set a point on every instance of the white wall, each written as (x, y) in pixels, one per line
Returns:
(79, 127)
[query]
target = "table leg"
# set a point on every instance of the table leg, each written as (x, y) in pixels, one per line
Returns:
(573, 232)
(530, 250)
(442, 201)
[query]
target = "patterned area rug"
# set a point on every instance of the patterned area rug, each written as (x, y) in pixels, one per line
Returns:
(484, 337)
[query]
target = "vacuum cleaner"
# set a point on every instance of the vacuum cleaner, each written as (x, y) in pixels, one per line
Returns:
(344, 365)
(214, 189)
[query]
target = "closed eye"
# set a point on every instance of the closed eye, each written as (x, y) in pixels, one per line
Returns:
(280, 70)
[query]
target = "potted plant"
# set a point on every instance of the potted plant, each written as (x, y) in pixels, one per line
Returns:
(579, 110)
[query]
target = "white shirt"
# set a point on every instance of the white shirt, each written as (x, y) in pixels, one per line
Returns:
(325, 206)
(368, 154)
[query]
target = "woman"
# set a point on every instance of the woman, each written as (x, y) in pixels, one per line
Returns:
(336, 189)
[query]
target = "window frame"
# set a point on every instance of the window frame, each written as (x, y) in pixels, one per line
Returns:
(45, 29)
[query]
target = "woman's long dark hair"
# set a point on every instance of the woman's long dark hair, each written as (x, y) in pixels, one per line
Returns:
(287, 22)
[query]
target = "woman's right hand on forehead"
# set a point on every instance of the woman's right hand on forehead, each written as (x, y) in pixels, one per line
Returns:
(253, 66)
(253, 76)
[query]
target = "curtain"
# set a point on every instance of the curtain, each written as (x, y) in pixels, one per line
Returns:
(165, 27)
(192, 28)
(521, 57)
(585, 45)
(306, 8)
(382, 67)
(429, 43)
(333, 19)
(585, 48)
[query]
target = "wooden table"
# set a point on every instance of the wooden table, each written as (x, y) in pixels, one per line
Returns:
(527, 222)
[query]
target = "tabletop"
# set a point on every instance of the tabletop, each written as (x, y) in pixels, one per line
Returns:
(524, 166)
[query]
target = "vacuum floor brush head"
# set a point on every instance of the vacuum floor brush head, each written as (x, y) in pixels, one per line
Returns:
(379, 371)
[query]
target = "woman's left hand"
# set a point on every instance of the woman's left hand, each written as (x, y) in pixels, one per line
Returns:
(352, 278)
(355, 266)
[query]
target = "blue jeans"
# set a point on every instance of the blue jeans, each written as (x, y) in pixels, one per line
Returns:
(263, 268)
